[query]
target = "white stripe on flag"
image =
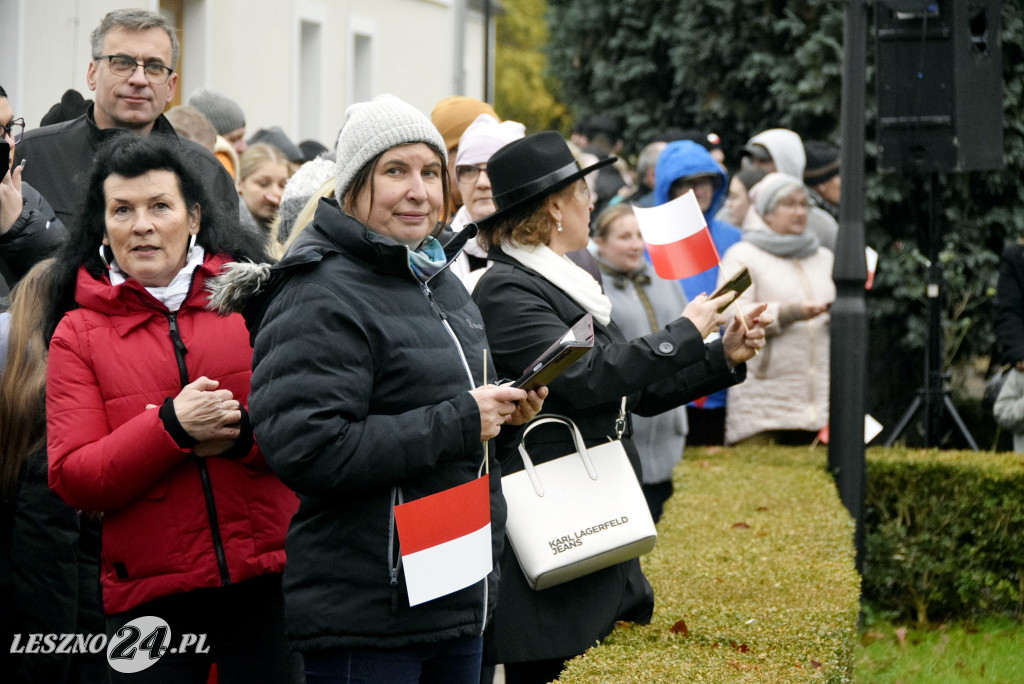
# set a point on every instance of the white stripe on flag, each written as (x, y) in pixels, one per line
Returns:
(672, 221)
(448, 567)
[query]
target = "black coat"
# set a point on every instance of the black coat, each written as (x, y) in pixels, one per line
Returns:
(60, 160)
(35, 235)
(359, 388)
(49, 581)
(523, 313)
(1009, 304)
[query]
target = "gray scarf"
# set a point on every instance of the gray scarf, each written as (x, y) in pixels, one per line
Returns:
(796, 246)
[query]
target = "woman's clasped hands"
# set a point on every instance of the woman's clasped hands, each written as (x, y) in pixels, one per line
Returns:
(209, 415)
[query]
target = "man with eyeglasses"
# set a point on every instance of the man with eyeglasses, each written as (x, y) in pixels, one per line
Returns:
(29, 230)
(133, 77)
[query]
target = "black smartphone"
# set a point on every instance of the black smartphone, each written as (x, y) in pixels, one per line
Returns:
(5, 157)
(738, 283)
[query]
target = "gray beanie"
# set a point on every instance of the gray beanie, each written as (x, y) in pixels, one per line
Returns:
(224, 113)
(374, 127)
(770, 189)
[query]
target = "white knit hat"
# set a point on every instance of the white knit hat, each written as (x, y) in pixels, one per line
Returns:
(300, 187)
(375, 127)
(485, 136)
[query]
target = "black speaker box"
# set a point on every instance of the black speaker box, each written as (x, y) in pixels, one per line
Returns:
(940, 85)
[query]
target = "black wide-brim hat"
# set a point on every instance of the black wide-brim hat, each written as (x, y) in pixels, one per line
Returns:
(529, 169)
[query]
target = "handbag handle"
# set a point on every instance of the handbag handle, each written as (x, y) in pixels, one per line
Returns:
(577, 439)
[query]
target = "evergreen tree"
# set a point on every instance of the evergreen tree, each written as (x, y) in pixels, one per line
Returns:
(737, 67)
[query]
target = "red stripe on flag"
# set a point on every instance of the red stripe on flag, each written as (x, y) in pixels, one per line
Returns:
(684, 258)
(444, 516)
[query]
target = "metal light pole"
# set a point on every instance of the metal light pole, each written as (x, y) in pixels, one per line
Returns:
(849, 313)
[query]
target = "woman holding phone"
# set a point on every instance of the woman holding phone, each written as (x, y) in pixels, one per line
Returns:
(530, 295)
(29, 230)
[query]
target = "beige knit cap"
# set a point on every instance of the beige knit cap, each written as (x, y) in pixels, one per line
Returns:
(375, 127)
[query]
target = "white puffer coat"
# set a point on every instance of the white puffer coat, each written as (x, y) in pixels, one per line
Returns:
(787, 383)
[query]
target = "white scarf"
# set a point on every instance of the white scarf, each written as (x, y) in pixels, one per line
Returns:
(564, 274)
(173, 295)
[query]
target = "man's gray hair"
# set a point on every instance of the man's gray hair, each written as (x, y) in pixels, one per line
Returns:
(134, 20)
(648, 158)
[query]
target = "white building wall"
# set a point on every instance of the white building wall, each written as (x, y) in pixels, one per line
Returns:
(251, 50)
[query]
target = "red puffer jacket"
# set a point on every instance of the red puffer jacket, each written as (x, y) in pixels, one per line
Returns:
(172, 522)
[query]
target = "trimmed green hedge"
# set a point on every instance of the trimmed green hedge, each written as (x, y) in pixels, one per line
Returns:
(944, 534)
(753, 575)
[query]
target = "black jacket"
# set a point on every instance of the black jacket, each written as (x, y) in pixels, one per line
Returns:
(60, 159)
(33, 237)
(1009, 305)
(359, 390)
(49, 581)
(522, 314)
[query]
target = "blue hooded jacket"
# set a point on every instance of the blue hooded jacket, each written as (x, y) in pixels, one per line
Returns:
(684, 158)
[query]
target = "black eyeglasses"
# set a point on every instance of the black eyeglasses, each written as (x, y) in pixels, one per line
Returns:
(14, 129)
(468, 173)
(124, 66)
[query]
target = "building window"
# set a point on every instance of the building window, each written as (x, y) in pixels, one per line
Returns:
(363, 59)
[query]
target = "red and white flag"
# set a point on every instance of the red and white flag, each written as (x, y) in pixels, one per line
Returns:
(446, 540)
(677, 237)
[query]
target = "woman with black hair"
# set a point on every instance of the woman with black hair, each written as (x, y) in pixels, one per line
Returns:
(146, 399)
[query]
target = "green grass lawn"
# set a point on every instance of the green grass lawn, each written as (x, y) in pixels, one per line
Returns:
(990, 651)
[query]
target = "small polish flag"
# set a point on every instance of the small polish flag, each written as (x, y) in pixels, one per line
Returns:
(677, 237)
(871, 256)
(446, 540)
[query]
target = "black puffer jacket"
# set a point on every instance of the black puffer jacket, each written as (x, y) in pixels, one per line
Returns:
(522, 313)
(35, 235)
(360, 387)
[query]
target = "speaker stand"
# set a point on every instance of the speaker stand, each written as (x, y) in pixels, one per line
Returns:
(934, 397)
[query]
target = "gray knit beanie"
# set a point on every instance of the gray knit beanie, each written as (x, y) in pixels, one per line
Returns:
(375, 127)
(224, 113)
(773, 187)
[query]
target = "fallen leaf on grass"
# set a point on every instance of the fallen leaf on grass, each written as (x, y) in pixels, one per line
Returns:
(901, 636)
(816, 665)
(708, 465)
(871, 637)
(743, 666)
(680, 628)
(742, 648)
(741, 525)
(623, 624)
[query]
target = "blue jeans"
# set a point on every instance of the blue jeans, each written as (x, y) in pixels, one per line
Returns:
(456, 661)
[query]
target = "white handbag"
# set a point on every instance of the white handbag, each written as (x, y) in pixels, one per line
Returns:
(576, 514)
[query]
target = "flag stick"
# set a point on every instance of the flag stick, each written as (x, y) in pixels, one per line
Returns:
(743, 319)
(743, 322)
(487, 460)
